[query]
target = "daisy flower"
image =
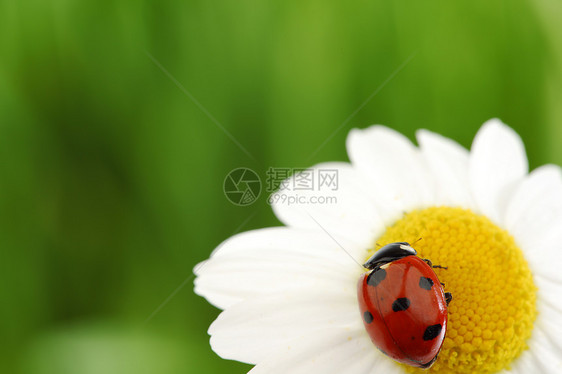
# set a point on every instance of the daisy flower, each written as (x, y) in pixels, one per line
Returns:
(289, 294)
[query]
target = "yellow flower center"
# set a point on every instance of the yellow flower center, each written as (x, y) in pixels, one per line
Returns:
(493, 308)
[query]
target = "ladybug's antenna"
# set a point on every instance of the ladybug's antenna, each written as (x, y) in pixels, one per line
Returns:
(378, 245)
(420, 238)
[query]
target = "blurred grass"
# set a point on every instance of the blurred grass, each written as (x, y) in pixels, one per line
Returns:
(111, 185)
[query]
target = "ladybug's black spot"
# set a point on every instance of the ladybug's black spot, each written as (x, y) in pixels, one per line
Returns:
(368, 317)
(400, 304)
(432, 332)
(426, 283)
(376, 276)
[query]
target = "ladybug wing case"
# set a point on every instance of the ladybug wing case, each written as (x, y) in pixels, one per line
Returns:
(404, 310)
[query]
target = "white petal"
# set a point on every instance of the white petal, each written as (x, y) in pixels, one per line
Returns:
(394, 165)
(272, 260)
(547, 269)
(527, 363)
(541, 357)
(544, 252)
(545, 257)
(550, 293)
(497, 163)
(549, 320)
(254, 329)
(448, 162)
(550, 357)
(345, 208)
(536, 204)
(329, 352)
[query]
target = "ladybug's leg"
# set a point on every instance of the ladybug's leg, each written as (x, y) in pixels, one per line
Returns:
(448, 297)
(439, 267)
(443, 284)
(427, 261)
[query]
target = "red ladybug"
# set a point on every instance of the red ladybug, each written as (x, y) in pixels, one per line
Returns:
(403, 305)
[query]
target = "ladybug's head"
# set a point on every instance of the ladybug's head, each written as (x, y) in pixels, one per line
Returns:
(390, 252)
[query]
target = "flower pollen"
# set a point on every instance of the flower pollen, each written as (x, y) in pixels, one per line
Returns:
(494, 298)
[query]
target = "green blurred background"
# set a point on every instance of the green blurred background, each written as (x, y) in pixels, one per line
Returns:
(111, 184)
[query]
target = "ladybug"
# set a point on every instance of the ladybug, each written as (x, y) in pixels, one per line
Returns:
(403, 305)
